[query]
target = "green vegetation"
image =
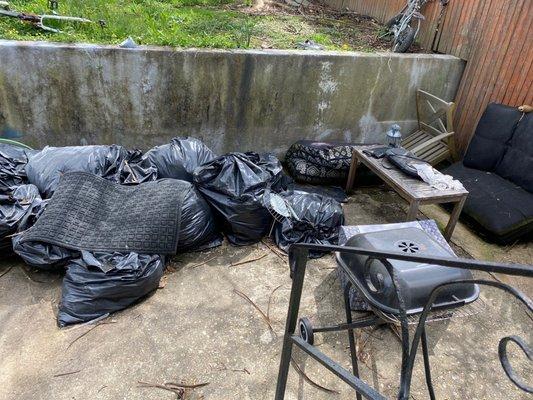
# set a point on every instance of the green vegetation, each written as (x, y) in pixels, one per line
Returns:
(189, 23)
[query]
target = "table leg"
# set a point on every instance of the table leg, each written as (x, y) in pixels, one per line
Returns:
(454, 217)
(413, 210)
(351, 173)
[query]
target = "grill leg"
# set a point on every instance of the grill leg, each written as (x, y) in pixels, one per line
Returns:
(427, 369)
(300, 259)
(351, 339)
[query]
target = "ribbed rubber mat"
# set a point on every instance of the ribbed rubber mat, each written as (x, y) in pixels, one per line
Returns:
(87, 212)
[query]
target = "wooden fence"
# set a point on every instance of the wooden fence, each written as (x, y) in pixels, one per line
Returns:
(495, 37)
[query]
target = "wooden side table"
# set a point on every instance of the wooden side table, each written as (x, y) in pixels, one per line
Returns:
(414, 191)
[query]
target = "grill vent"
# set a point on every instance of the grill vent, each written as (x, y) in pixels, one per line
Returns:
(408, 246)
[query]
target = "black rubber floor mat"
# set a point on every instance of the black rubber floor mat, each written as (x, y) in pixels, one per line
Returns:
(90, 213)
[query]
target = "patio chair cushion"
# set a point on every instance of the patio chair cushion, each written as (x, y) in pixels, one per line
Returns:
(502, 208)
(517, 162)
(493, 131)
(319, 163)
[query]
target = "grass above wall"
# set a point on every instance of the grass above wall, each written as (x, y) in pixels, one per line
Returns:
(197, 23)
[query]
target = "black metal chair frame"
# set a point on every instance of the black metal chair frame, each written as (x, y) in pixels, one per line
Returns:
(298, 256)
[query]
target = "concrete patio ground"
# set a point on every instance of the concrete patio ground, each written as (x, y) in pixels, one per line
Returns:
(197, 329)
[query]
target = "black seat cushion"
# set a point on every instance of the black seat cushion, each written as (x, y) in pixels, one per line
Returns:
(493, 131)
(502, 208)
(517, 162)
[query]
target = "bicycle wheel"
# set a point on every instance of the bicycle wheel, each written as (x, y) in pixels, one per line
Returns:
(404, 40)
(394, 20)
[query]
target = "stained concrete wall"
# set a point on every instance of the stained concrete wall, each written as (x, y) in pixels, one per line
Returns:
(61, 94)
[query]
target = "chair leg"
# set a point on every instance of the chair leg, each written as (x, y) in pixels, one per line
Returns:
(351, 338)
(300, 257)
(427, 369)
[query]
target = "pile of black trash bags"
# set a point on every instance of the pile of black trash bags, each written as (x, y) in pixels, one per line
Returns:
(225, 196)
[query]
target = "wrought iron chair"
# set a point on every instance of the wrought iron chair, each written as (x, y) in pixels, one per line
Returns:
(298, 256)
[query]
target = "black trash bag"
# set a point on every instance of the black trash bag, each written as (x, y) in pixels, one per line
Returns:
(13, 160)
(198, 228)
(101, 283)
(45, 168)
(268, 161)
(319, 163)
(135, 169)
(39, 255)
(335, 192)
(13, 207)
(234, 184)
(179, 158)
(318, 221)
(6, 249)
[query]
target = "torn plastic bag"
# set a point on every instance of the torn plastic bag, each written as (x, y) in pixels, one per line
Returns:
(36, 254)
(135, 169)
(317, 220)
(101, 283)
(46, 167)
(179, 158)
(198, 229)
(13, 207)
(233, 184)
(13, 160)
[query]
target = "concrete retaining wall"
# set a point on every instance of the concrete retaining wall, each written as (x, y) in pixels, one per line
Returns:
(60, 94)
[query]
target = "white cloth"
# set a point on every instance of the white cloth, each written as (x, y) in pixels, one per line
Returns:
(437, 179)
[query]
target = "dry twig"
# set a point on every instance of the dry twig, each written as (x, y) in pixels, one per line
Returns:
(177, 388)
(270, 300)
(89, 330)
(6, 271)
(223, 367)
(263, 315)
(395, 330)
(67, 373)
(82, 325)
(203, 263)
(281, 256)
(309, 380)
(179, 391)
(248, 260)
(186, 385)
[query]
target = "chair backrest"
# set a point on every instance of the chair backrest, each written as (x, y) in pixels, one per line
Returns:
(435, 115)
(494, 130)
(503, 144)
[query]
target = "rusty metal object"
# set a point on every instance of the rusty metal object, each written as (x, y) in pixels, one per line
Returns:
(38, 20)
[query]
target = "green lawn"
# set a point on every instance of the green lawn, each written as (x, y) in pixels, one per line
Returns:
(190, 23)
